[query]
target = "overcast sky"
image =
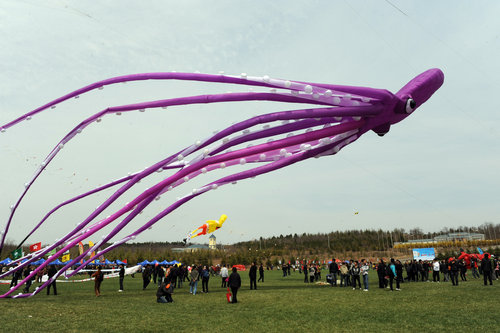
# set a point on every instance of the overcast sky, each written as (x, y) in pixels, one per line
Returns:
(438, 168)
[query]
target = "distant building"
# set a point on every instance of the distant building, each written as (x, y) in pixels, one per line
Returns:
(416, 241)
(454, 236)
(211, 242)
(190, 248)
(459, 236)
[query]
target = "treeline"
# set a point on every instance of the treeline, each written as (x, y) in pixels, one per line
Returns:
(361, 240)
(338, 241)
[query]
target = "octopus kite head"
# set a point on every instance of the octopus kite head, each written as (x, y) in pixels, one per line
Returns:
(419, 90)
(409, 98)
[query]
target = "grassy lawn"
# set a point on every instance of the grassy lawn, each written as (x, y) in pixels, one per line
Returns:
(280, 304)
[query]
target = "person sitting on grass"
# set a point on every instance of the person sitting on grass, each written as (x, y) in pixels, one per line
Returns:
(164, 292)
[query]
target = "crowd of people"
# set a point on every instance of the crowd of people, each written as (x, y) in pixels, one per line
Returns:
(352, 273)
(347, 273)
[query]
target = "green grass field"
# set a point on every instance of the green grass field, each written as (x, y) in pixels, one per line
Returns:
(279, 305)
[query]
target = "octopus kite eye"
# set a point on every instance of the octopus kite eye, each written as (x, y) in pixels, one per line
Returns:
(410, 105)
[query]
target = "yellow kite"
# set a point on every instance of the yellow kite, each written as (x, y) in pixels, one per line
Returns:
(207, 228)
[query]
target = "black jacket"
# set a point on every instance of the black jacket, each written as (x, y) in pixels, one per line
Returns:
(52, 271)
(253, 272)
(234, 280)
(399, 270)
(164, 289)
(486, 265)
(334, 268)
(381, 270)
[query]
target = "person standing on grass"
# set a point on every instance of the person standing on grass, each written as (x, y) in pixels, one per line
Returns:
(261, 273)
(334, 270)
(381, 274)
(306, 273)
(443, 267)
(414, 271)
(399, 274)
(391, 272)
(40, 274)
(193, 277)
(253, 275)
(364, 272)
(205, 276)
(454, 272)
(435, 271)
(174, 273)
(487, 269)
(179, 277)
(26, 273)
(234, 283)
(425, 269)
(16, 276)
(146, 277)
(473, 268)
(344, 274)
(420, 271)
(160, 273)
(463, 270)
(121, 275)
(312, 271)
(224, 274)
(51, 272)
(98, 277)
(355, 272)
(317, 274)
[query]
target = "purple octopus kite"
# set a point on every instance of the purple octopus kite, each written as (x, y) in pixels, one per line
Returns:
(338, 115)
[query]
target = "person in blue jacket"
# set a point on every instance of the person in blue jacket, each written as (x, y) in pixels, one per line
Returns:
(391, 272)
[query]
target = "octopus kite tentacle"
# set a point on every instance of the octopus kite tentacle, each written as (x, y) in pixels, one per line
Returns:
(311, 97)
(347, 113)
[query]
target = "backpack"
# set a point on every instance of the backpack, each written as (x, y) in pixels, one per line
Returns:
(206, 274)
(389, 271)
(100, 278)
